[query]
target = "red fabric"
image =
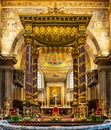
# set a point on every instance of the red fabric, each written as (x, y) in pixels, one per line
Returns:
(97, 104)
(99, 111)
(55, 111)
(11, 111)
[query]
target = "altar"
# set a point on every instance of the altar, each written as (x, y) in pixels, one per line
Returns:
(62, 110)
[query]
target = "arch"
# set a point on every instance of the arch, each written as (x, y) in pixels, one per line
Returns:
(88, 59)
(20, 54)
(93, 39)
(89, 54)
(15, 41)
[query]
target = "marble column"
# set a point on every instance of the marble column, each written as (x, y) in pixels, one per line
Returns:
(82, 71)
(28, 71)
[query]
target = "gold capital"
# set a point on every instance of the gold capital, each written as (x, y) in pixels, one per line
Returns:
(28, 40)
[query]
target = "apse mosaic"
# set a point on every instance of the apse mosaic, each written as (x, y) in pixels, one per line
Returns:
(55, 60)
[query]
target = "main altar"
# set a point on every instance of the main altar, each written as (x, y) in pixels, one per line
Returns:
(62, 110)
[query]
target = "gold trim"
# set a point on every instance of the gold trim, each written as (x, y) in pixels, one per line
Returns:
(81, 84)
(26, 82)
(75, 71)
(75, 93)
(75, 64)
(34, 94)
(34, 78)
(28, 63)
(27, 93)
(82, 74)
(34, 86)
(81, 54)
(81, 64)
(28, 72)
(76, 78)
(75, 86)
(82, 93)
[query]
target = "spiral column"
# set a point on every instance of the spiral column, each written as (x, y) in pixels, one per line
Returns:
(35, 70)
(82, 70)
(75, 73)
(28, 71)
(75, 81)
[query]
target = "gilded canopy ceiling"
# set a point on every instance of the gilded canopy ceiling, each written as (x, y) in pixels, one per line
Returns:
(55, 29)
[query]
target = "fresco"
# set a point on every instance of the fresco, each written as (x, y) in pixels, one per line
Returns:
(99, 27)
(11, 27)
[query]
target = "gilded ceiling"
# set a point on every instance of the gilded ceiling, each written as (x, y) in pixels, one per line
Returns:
(55, 34)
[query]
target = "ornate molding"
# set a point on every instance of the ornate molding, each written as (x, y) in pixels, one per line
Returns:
(75, 52)
(28, 40)
(63, 3)
(7, 61)
(55, 29)
(82, 39)
(103, 61)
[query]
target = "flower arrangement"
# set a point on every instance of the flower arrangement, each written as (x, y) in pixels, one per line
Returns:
(14, 118)
(55, 119)
(26, 119)
(38, 115)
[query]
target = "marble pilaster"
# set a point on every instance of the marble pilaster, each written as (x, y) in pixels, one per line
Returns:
(0, 89)
(8, 82)
(6, 78)
(110, 24)
(0, 23)
(104, 80)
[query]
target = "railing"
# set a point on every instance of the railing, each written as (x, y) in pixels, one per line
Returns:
(106, 126)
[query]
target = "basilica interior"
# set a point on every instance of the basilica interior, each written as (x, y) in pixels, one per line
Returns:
(55, 53)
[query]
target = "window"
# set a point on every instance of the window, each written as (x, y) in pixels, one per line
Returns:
(71, 80)
(39, 80)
